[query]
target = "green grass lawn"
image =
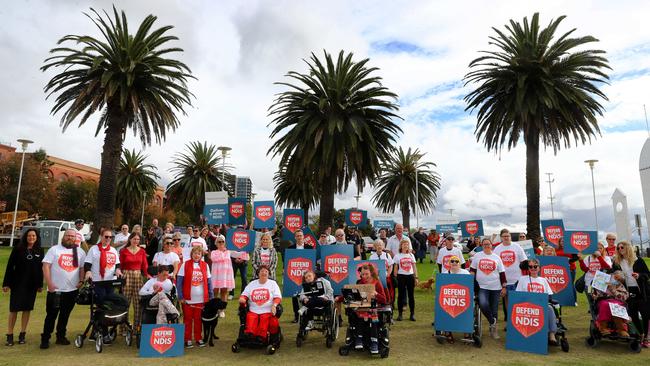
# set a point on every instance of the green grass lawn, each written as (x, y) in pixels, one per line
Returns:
(411, 343)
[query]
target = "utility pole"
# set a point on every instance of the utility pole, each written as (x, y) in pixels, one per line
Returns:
(550, 190)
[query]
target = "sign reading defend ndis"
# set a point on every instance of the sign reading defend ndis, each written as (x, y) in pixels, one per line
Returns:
(577, 242)
(454, 308)
(527, 328)
(162, 340)
(240, 240)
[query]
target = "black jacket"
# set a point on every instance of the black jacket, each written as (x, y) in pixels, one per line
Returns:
(22, 271)
(643, 281)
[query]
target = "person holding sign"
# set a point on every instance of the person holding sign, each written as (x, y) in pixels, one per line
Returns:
(446, 252)
(573, 258)
(223, 277)
(614, 297)
(598, 261)
(454, 266)
(534, 283)
(511, 255)
(491, 278)
(265, 255)
(369, 277)
(637, 284)
(300, 244)
(194, 290)
(407, 278)
(380, 254)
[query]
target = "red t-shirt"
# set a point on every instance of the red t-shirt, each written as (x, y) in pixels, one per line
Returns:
(133, 262)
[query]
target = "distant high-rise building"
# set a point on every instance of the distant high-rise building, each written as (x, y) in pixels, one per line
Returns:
(243, 188)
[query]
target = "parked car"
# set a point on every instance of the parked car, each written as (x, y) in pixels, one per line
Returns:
(52, 231)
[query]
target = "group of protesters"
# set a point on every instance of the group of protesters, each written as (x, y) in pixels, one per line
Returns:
(203, 268)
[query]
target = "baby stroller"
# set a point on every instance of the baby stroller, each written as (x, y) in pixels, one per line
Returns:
(476, 335)
(321, 319)
(381, 315)
(595, 335)
(104, 317)
(272, 341)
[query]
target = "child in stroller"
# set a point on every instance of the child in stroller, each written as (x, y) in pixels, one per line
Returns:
(156, 295)
(318, 311)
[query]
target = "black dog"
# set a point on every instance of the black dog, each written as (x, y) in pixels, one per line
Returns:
(210, 318)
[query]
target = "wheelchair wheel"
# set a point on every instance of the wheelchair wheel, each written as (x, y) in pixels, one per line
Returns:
(298, 340)
(564, 344)
(270, 349)
(344, 351)
(99, 341)
(79, 341)
(384, 352)
(328, 342)
(635, 346)
(440, 338)
(478, 343)
(235, 348)
(591, 342)
(128, 338)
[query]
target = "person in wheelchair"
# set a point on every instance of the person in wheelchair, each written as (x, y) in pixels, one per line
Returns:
(534, 283)
(317, 293)
(616, 294)
(159, 289)
(262, 297)
(361, 326)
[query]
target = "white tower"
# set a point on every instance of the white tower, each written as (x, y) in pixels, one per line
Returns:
(621, 215)
(644, 171)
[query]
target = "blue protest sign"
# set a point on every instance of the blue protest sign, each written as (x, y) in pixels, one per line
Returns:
(454, 308)
(356, 217)
(240, 240)
(383, 224)
(471, 227)
(296, 262)
(578, 242)
(447, 228)
(553, 231)
(264, 215)
(380, 268)
(527, 318)
(310, 238)
(161, 340)
(237, 211)
(216, 214)
(557, 272)
(527, 246)
(288, 235)
(335, 261)
(293, 219)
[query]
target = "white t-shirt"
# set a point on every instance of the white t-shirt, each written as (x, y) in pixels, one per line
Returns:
(487, 269)
(405, 263)
(265, 257)
(64, 276)
(194, 242)
(112, 260)
(511, 255)
(385, 256)
(147, 289)
(261, 296)
(627, 270)
(445, 254)
(462, 271)
(166, 259)
(539, 285)
(196, 288)
(594, 265)
(393, 244)
(121, 240)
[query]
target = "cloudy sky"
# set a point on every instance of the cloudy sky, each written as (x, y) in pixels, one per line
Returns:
(238, 49)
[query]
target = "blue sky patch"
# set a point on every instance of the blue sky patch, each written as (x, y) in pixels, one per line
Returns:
(403, 47)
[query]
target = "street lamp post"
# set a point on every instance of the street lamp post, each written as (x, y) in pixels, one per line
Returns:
(591, 163)
(357, 198)
(24, 143)
(224, 153)
(417, 199)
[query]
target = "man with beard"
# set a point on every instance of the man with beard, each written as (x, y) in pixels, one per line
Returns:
(63, 275)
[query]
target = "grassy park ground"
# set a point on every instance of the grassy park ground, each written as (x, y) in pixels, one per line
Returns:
(411, 343)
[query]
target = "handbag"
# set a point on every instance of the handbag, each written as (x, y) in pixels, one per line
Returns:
(580, 284)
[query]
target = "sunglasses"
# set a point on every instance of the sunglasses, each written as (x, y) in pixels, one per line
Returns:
(454, 261)
(611, 239)
(340, 235)
(533, 267)
(619, 248)
(176, 239)
(108, 236)
(220, 241)
(167, 243)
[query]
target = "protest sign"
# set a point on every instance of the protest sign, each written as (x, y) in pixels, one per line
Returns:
(216, 214)
(161, 340)
(335, 261)
(454, 304)
(447, 228)
(383, 224)
(578, 242)
(527, 246)
(557, 272)
(380, 268)
(600, 281)
(527, 328)
(240, 240)
(310, 237)
(553, 231)
(296, 262)
(356, 217)
(471, 228)
(237, 211)
(619, 311)
(264, 215)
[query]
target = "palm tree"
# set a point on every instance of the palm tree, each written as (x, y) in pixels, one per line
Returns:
(539, 89)
(128, 80)
(396, 184)
(197, 171)
(336, 120)
(136, 182)
(295, 189)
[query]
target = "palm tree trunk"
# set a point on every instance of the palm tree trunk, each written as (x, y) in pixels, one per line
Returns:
(326, 204)
(305, 210)
(532, 184)
(111, 153)
(406, 216)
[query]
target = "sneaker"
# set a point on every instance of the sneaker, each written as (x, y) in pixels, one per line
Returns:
(374, 346)
(399, 318)
(222, 314)
(412, 317)
(62, 341)
(358, 342)
(10, 340)
(44, 344)
(21, 338)
(189, 344)
(200, 343)
(230, 297)
(302, 310)
(493, 332)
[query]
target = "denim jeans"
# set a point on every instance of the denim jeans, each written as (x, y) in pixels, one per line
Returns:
(505, 301)
(488, 301)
